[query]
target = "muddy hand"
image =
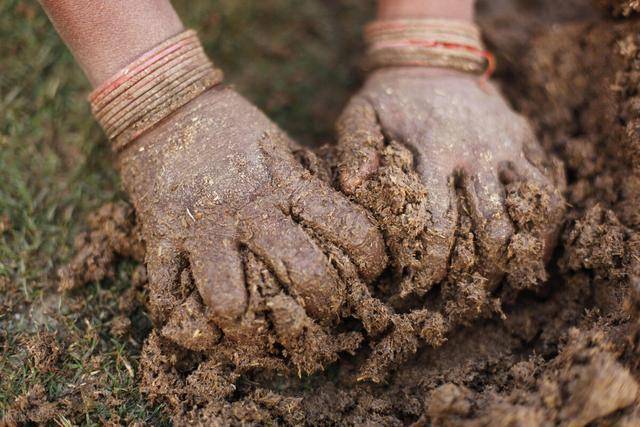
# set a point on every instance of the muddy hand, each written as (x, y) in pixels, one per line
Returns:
(218, 176)
(466, 143)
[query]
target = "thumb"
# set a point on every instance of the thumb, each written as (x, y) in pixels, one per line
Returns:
(359, 141)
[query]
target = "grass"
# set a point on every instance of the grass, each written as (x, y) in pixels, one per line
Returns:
(60, 363)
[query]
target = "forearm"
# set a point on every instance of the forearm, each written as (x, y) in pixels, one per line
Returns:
(105, 36)
(407, 9)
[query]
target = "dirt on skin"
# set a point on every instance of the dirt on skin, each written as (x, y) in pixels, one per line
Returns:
(550, 346)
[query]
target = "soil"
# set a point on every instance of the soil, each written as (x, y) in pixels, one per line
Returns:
(551, 346)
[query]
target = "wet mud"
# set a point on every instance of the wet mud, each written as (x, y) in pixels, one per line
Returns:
(552, 344)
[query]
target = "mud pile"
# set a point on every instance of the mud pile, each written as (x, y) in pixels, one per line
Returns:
(549, 346)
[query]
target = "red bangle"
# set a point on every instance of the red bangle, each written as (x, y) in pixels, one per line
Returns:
(152, 87)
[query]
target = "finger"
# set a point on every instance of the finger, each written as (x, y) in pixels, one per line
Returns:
(342, 223)
(297, 262)
(492, 225)
(218, 273)
(308, 346)
(439, 236)
(548, 166)
(189, 327)
(359, 141)
(536, 203)
(164, 266)
(553, 200)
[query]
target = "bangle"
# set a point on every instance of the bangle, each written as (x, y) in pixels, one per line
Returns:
(152, 87)
(442, 43)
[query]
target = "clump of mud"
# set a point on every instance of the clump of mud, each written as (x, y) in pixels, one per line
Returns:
(547, 347)
(113, 234)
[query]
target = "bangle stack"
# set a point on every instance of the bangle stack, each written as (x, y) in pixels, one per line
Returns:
(152, 87)
(442, 43)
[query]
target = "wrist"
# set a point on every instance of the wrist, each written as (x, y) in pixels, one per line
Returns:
(417, 72)
(417, 9)
(428, 43)
(106, 36)
(152, 87)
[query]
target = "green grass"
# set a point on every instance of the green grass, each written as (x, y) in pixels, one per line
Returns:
(295, 59)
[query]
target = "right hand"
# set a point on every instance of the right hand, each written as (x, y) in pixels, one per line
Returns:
(217, 178)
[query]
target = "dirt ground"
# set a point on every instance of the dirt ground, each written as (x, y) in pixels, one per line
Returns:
(562, 352)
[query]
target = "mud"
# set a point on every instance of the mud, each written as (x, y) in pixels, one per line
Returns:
(553, 344)
(113, 234)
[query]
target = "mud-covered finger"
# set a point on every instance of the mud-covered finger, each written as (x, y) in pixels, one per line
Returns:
(534, 152)
(535, 204)
(342, 223)
(297, 262)
(219, 276)
(548, 165)
(360, 139)
(308, 345)
(485, 199)
(549, 196)
(439, 235)
(164, 266)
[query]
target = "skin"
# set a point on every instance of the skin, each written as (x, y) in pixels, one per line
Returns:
(403, 9)
(216, 180)
(106, 36)
(462, 134)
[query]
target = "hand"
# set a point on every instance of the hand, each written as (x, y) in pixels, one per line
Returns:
(217, 179)
(466, 144)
